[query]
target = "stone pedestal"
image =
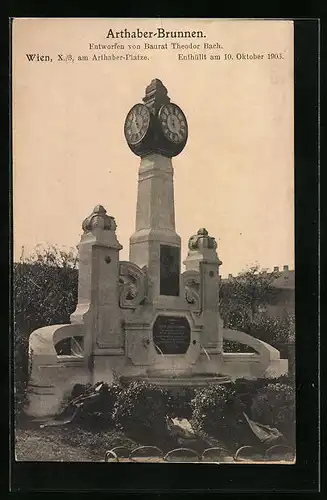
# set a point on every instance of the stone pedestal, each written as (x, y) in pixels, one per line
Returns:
(155, 241)
(98, 289)
(202, 258)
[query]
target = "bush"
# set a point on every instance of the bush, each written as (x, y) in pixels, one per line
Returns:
(217, 412)
(247, 389)
(44, 293)
(98, 412)
(263, 328)
(232, 346)
(274, 405)
(20, 349)
(140, 411)
(280, 333)
(179, 402)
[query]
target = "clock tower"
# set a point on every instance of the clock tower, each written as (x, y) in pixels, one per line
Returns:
(156, 131)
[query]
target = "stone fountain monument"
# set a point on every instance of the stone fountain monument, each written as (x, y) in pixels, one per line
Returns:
(143, 318)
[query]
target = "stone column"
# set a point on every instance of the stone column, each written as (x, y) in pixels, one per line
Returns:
(202, 257)
(98, 287)
(155, 219)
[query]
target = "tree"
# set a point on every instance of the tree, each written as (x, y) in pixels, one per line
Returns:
(242, 296)
(45, 287)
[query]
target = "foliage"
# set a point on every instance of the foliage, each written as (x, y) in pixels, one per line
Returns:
(241, 299)
(44, 293)
(179, 402)
(97, 412)
(274, 405)
(246, 389)
(45, 288)
(232, 346)
(140, 410)
(21, 374)
(279, 332)
(217, 412)
(242, 296)
(272, 330)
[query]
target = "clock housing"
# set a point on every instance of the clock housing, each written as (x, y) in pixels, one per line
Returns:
(157, 126)
(138, 128)
(173, 125)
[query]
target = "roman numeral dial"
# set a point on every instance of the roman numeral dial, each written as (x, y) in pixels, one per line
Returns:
(173, 123)
(137, 123)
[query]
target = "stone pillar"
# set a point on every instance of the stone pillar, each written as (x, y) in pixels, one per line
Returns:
(98, 288)
(155, 223)
(202, 257)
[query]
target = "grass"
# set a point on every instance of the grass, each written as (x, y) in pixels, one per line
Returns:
(66, 443)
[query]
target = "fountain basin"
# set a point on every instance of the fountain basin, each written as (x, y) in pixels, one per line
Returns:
(181, 380)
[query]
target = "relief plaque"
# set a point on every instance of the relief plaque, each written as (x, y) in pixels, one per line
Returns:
(171, 334)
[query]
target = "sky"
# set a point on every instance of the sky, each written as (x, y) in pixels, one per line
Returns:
(235, 175)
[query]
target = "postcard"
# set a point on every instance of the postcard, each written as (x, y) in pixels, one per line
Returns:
(154, 273)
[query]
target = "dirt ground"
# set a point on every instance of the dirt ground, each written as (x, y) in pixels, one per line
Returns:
(64, 444)
(39, 445)
(71, 443)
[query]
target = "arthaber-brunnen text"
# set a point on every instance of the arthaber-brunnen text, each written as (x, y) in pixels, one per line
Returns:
(159, 33)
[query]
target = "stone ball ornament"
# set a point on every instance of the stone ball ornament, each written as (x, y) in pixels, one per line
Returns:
(156, 126)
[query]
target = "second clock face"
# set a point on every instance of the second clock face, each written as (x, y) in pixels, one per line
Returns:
(173, 123)
(137, 123)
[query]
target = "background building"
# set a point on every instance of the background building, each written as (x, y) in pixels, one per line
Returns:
(283, 302)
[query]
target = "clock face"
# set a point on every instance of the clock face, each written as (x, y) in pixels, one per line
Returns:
(173, 123)
(137, 123)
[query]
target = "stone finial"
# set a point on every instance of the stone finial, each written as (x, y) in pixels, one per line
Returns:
(202, 240)
(99, 220)
(156, 95)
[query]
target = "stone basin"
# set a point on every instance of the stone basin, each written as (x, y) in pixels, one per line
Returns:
(173, 380)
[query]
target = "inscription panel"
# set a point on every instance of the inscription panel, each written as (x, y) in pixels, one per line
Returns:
(171, 334)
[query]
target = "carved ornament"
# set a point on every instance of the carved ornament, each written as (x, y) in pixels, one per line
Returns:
(133, 285)
(99, 220)
(202, 240)
(191, 284)
(156, 95)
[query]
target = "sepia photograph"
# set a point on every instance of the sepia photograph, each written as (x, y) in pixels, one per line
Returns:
(153, 240)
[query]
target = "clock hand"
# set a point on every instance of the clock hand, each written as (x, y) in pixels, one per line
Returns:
(135, 122)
